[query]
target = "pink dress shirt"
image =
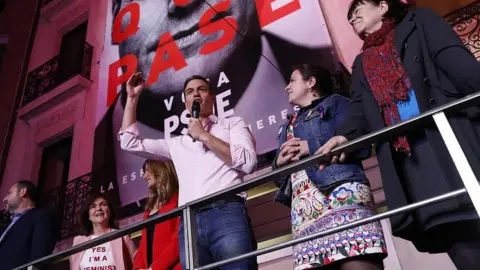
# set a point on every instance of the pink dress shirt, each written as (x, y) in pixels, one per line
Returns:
(200, 172)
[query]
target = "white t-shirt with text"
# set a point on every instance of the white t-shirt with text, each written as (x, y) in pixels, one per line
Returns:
(98, 258)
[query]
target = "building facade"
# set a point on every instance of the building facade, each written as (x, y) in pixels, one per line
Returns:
(17, 28)
(60, 137)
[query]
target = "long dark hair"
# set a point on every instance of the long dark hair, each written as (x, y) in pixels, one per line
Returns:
(84, 223)
(166, 181)
(396, 8)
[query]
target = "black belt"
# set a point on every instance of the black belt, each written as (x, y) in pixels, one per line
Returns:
(220, 203)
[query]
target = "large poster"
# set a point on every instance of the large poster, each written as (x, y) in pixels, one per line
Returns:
(246, 49)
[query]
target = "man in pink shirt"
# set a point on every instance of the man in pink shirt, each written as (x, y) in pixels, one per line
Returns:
(222, 153)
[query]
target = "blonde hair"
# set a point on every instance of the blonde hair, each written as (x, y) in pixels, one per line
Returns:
(166, 181)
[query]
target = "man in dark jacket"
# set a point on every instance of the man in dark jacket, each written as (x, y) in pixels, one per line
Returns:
(31, 234)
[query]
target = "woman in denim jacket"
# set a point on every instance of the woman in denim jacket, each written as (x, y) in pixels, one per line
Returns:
(335, 196)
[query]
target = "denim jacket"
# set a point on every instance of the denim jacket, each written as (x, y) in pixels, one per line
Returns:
(317, 124)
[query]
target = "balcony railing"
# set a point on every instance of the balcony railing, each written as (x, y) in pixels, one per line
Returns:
(66, 201)
(47, 76)
(5, 219)
(438, 114)
(466, 22)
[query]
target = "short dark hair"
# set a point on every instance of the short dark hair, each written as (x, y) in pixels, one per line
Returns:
(85, 225)
(30, 187)
(196, 77)
(324, 84)
(396, 8)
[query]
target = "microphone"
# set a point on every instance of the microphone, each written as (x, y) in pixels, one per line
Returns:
(195, 111)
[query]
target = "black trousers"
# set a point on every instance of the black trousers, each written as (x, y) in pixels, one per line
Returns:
(463, 240)
(465, 255)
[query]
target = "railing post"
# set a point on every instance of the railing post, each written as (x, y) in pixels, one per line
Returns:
(459, 159)
(190, 234)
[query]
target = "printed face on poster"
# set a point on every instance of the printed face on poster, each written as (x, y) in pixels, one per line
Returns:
(246, 48)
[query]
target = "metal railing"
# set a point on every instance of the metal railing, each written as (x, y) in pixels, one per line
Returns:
(466, 22)
(51, 74)
(5, 219)
(65, 202)
(472, 187)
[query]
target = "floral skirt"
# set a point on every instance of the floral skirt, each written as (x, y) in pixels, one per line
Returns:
(313, 211)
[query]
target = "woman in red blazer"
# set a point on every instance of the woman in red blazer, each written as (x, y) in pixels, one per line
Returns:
(158, 248)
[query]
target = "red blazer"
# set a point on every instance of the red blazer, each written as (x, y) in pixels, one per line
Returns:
(166, 253)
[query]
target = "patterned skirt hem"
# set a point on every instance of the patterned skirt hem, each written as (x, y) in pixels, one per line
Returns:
(324, 261)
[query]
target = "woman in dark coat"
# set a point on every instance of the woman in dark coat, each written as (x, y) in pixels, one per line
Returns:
(413, 61)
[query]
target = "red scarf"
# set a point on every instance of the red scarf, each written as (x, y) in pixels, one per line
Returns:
(386, 76)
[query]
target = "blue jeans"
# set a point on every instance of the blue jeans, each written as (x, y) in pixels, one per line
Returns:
(223, 231)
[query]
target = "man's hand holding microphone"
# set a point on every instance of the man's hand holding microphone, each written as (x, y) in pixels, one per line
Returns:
(195, 128)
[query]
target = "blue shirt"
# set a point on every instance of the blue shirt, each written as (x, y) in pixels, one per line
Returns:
(16, 217)
(408, 109)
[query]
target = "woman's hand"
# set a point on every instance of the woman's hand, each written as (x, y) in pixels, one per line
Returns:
(283, 158)
(292, 150)
(327, 148)
(298, 146)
